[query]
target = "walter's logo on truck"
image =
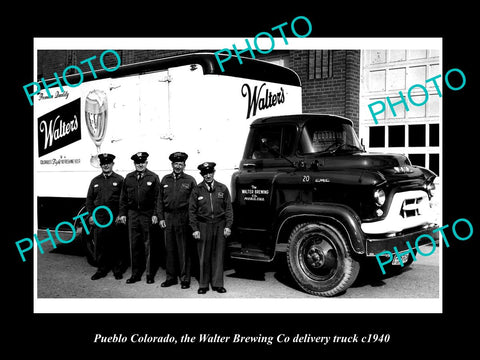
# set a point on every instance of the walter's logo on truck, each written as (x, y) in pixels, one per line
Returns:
(259, 100)
(59, 128)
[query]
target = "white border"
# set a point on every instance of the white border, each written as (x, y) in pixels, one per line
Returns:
(229, 305)
(243, 306)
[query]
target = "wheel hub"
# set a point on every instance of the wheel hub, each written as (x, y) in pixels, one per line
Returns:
(315, 257)
(320, 257)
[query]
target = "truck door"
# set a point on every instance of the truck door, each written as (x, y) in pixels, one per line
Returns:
(266, 156)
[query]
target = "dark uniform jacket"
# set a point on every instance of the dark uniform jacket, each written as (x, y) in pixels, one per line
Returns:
(174, 194)
(140, 196)
(212, 206)
(104, 191)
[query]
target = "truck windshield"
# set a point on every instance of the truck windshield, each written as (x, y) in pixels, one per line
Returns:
(328, 136)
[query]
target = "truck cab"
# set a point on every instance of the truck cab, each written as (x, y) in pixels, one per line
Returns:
(307, 187)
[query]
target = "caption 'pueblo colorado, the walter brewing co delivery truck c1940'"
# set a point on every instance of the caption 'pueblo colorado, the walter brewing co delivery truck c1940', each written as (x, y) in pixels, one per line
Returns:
(300, 183)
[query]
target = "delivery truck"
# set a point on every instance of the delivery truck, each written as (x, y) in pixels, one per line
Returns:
(181, 103)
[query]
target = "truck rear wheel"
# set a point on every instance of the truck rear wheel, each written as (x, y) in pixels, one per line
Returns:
(88, 244)
(319, 259)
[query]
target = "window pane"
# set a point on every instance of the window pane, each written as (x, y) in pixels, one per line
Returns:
(416, 135)
(280, 139)
(378, 56)
(377, 136)
(396, 136)
(377, 80)
(396, 79)
(417, 54)
(397, 55)
(435, 163)
(416, 75)
(434, 135)
(417, 159)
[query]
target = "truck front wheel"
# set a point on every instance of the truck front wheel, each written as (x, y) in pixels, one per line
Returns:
(320, 260)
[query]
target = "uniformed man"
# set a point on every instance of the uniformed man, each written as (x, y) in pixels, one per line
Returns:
(105, 190)
(138, 205)
(172, 210)
(211, 218)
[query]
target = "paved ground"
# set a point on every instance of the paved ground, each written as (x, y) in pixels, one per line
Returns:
(62, 273)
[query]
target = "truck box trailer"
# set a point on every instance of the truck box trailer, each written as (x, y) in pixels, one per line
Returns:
(182, 103)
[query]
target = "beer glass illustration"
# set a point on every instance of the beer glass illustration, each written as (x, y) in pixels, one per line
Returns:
(96, 118)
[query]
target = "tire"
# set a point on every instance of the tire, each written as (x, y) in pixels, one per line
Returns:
(88, 244)
(320, 260)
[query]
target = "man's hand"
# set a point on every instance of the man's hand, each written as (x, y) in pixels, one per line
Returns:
(154, 219)
(162, 223)
(227, 232)
(123, 219)
(196, 235)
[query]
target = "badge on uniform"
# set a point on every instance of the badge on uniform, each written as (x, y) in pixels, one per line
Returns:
(96, 185)
(185, 186)
(200, 198)
(114, 184)
(149, 183)
(165, 186)
(220, 195)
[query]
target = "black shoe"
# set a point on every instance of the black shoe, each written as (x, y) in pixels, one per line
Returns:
(168, 283)
(220, 289)
(185, 284)
(98, 275)
(150, 280)
(118, 276)
(132, 280)
(202, 290)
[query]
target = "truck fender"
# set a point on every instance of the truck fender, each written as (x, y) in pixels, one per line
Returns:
(341, 216)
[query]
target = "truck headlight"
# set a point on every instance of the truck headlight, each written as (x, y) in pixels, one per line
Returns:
(379, 196)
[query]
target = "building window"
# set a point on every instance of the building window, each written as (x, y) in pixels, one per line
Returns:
(434, 135)
(417, 159)
(396, 136)
(377, 136)
(320, 64)
(435, 163)
(416, 135)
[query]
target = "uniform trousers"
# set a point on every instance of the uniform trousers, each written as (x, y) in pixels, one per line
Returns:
(211, 250)
(108, 249)
(139, 234)
(177, 246)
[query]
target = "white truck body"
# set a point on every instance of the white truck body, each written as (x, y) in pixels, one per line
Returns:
(176, 104)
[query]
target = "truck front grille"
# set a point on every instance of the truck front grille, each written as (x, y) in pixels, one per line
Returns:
(411, 207)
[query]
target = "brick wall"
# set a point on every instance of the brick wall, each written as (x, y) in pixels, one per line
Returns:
(337, 93)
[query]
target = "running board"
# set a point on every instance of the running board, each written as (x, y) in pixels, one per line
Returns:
(248, 254)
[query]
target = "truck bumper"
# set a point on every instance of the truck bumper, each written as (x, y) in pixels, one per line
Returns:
(375, 245)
